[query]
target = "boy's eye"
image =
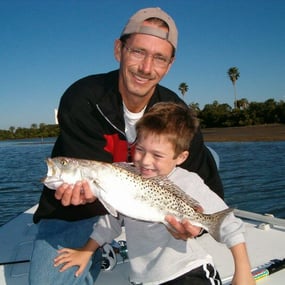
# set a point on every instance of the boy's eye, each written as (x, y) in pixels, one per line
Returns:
(139, 149)
(158, 156)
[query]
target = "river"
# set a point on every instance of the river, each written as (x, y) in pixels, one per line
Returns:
(252, 174)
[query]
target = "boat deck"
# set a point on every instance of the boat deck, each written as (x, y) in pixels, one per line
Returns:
(265, 242)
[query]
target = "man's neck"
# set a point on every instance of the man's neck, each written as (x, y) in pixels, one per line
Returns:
(136, 104)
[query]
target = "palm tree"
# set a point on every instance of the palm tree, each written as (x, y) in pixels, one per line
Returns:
(233, 73)
(242, 103)
(195, 107)
(183, 88)
(12, 129)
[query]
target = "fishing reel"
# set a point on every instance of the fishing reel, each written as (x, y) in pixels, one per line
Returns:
(109, 257)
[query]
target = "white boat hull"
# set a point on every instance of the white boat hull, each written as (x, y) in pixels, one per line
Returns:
(264, 244)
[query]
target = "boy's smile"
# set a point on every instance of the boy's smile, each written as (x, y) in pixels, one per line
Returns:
(155, 156)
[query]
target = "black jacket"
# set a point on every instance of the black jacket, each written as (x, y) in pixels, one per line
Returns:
(92, 127)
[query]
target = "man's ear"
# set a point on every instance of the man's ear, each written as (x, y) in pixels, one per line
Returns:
(182, 157)
(117, 50)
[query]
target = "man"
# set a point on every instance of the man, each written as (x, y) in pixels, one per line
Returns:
(97, 117)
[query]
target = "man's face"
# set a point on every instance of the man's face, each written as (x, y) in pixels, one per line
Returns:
(138, 77)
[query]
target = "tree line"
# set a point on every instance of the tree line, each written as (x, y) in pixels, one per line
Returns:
(212, 115)
(35, 131)
(244, 113)
(233, 73)
(217, 115)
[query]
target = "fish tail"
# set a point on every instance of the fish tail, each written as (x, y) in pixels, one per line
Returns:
(217, 219)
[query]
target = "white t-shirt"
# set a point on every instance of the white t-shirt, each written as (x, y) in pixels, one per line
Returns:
(130, 121)
(155, 255)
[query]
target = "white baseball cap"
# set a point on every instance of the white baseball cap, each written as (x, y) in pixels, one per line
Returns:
(135, 25)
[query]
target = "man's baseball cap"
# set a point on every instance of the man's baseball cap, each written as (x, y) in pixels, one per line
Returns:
(135, 25)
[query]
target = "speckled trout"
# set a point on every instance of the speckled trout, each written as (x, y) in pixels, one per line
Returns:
(121, 189)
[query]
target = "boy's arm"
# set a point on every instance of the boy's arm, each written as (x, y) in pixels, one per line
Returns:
(242, 273)
(76, 257)
(104, 231)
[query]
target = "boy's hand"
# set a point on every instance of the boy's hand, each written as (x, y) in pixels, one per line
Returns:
(77, 194)
(182, 230)
(72, 257)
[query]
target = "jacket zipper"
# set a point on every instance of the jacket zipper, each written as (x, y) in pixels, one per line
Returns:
(129, 155)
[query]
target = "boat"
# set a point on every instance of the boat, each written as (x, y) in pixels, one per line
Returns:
(265, 237)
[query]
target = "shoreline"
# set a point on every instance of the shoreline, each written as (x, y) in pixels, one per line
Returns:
(271, 132)
(268, 132)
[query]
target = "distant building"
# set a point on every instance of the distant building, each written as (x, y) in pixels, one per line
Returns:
(55, 116)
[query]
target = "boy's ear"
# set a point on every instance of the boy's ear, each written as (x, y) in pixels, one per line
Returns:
(182, 157)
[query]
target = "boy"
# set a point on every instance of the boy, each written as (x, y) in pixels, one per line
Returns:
(156, 257)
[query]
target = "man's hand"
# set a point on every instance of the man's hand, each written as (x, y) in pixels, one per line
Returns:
(77, 194)
(182, 230)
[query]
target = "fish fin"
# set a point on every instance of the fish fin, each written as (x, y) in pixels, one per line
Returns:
(177, 191)
(127, 166)
(110, 209)
(97, 190)
(214, 227)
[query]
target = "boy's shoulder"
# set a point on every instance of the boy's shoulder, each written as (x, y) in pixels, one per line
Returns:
(180, 173)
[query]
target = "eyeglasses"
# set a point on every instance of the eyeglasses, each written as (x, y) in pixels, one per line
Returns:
(140, 54)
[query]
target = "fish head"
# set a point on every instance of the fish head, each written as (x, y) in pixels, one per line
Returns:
(61, 170)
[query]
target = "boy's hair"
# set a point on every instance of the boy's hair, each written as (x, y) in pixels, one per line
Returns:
(176, 121)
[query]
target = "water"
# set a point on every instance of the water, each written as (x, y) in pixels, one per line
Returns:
(252, 174)
(22, 167)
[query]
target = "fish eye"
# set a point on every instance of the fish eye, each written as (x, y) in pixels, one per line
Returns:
(63, 162)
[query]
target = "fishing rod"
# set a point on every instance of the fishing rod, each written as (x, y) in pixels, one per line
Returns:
(274, 266)
(262, 271)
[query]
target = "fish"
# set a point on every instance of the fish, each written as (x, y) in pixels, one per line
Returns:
(121, 189)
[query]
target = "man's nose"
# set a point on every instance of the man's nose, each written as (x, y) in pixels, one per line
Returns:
(146, 64)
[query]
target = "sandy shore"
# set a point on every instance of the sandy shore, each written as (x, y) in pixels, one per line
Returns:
(274, 132)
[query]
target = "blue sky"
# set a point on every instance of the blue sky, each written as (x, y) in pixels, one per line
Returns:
(47, 45)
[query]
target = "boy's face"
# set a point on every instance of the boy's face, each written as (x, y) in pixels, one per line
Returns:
(154, 156)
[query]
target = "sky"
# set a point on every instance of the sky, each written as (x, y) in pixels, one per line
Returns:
(47, 45)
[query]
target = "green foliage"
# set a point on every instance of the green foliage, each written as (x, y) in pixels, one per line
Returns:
(212, 115)
(43, 131)
(234, 74)
(246, 114)
(183, 88)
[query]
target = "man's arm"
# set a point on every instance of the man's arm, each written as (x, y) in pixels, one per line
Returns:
(78, 194)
